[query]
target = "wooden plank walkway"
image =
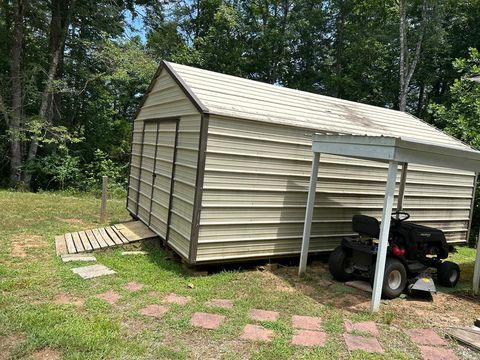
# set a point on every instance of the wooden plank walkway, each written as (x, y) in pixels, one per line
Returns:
(102, 238)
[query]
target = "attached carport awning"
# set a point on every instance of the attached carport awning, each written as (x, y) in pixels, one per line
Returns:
(395, 151)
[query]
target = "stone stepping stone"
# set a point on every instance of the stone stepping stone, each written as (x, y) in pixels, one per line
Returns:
(306, 322)
(77, 257)
(110, 296)
(263, 315)
(221, 303)
(309, 338)
(173, 298)
(362, 343)
(128, 253)
(133, 286)
(364, 326)
(425, 337)
(256, 333)
(92, 271)
(154, 310)
(206, 320)
(436, 353)
(360, 285)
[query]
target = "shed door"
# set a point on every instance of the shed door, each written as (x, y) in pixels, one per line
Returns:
(157, 166)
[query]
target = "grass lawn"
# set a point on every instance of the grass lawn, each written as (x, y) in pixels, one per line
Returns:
(47, 312)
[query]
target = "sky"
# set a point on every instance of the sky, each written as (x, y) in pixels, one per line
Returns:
(135, 25)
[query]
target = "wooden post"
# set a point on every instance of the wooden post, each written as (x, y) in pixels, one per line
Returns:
(103, 208)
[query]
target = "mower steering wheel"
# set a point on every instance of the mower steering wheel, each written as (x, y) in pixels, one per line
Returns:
(397, 215)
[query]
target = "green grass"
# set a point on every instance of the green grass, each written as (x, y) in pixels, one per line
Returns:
(31, 319)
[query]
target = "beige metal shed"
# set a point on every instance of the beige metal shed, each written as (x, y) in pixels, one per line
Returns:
(220, 168)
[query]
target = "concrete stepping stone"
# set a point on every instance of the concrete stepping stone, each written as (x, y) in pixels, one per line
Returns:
(437, 353)
(256, 333)
(425, 337)
(309, 338)
(77, 257)
(92, 271)
(133, 286)
(263, 315)
(128, 253)
(306, 322)
(206, 320)
(173, 298)
(362, 343)
(221, 303)
(364, 326)
(109, 296)
(360, 285)
(154, 310)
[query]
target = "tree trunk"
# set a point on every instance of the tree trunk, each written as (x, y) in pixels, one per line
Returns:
(15, 121)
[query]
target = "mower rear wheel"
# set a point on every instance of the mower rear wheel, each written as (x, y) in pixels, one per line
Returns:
(340, 264)
(448, 274)
(394, 280)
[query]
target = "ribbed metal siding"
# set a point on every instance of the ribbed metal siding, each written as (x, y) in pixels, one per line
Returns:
(165, 100)
(255, 190)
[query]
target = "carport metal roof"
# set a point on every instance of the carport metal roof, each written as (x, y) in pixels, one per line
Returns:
(395, 151)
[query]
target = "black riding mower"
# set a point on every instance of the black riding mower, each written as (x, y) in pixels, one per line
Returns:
(412, 250)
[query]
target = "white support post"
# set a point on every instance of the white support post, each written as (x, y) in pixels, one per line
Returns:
(384, 232)
(307, 227)
(476, 269)
(401, 188)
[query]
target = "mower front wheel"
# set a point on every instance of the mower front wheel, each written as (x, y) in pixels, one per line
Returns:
(395, 278)
(448, 274)
(340, 264)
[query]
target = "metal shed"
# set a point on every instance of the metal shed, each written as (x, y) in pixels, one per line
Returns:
(220, 168)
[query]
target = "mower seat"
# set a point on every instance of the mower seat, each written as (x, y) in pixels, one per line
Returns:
(366, 225)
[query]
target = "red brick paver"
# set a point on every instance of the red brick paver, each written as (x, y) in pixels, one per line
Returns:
(263, 315)
(222, 303)
(436, 353)
(362, 343)
(425, 337)
(256, 333)
(207, 321)
(306, 322)
(154, 310)
(365, 326)
(177, 299)
(309, 338)
(133, 286)
(109, 296)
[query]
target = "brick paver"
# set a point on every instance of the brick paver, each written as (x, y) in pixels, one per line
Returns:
(256, 333)
(109, 296)
(133, 286)
(222, 303)
(437, 353)
(365, 326)
(154, 310)
(362, 343)
(207, 321)
(425, 337)
(173, 298)
(306, 322)
(263, 315)
(309, 338)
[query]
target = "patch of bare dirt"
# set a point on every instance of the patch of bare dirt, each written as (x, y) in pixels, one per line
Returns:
(46, 353)
(72, 221)
(21, 243)
(64, 298)
(7, 343)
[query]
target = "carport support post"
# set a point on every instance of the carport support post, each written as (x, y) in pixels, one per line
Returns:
(307, 227)
(383, 240)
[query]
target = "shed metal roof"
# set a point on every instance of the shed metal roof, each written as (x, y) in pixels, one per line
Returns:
(231, 96)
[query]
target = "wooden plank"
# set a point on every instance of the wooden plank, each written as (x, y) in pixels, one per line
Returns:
(60, 245)
(467, 336)
(92, 239)
(99, 238)
(85, 242)
(120, 235)
(70, 245)
(77, 242)
(105, 236)
(135, 230)
(116, 239)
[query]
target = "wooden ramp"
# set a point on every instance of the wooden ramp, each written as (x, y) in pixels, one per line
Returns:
(102, 238)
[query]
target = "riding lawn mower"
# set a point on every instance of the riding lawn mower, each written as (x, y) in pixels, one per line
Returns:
(412, 250)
